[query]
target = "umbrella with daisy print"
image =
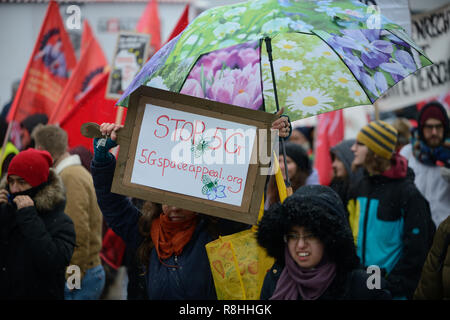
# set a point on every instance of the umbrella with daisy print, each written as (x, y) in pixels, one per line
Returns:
(309, 57)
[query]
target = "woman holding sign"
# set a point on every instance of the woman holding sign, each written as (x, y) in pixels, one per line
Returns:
(170, 241)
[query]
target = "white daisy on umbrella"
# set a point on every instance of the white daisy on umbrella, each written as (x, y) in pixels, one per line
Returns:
(285, 67)
(357, 93)
(322, 51)
(344, 80)
(286, 45)
(310, 101)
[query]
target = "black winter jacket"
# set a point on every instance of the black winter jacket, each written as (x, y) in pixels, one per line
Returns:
(191, 279)
(392, 226)
(36, 245)
(346, 286)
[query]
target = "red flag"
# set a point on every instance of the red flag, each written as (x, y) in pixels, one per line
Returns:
(86, 36)
(47, 71)
(93, 107)
(87, 72)
(181, 24)
(330, 131)
(149, 23)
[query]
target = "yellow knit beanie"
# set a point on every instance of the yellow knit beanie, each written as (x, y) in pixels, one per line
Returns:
(380, 137)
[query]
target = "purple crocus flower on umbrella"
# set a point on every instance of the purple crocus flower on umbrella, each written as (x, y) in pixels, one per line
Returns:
(373, 51)
(377, 84)
(400, 67)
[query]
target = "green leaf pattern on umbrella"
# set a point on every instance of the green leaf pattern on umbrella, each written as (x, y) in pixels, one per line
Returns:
(326, 56)
(310, 77)
(253, 20)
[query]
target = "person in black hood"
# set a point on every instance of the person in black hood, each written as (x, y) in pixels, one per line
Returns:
(344, 175)
(315, 256)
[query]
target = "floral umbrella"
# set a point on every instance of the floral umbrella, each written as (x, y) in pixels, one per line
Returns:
(327, 55)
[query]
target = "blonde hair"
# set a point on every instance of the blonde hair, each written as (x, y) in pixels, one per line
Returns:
(376, 164)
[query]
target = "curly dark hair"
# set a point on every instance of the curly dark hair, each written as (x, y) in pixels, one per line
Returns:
(331, 228)
(149, 211)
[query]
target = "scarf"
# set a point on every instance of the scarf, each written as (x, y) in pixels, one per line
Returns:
(170, 237)
(439, 156)
(309, 283)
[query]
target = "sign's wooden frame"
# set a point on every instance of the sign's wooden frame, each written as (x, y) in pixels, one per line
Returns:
(128, 139)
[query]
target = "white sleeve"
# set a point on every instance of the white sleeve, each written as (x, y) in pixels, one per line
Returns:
(406, 151)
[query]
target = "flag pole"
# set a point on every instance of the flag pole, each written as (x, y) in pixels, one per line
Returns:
(5, 140)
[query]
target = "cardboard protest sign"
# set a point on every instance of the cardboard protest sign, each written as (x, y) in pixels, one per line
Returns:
(130, 55)
(194, 153)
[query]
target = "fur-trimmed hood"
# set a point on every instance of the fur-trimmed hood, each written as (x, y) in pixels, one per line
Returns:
(50, 196)
(320, 210)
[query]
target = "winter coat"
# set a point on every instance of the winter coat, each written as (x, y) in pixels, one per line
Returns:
(191, 278)
(392, 226)
(330, 225)
(36, 245)
(348, 286)
(432, 184)
(82, 208)
(434, 283)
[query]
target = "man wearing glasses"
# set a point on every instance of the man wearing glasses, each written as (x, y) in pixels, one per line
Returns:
(428, 155)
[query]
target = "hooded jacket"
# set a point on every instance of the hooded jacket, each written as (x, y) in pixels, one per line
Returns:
(36, 245)
(392, 226)
(344, 153)
(320, 210)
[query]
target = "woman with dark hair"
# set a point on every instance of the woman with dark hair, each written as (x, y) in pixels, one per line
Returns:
(170, 241)
(315, 256)
(299, 168)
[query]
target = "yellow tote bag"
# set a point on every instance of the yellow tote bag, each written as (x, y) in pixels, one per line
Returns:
(238, 264)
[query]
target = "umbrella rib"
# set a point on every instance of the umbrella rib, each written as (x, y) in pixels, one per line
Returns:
(269, 53)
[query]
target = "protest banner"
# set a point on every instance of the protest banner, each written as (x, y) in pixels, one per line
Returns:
(193, 153)
(129, 56)
(431, 31)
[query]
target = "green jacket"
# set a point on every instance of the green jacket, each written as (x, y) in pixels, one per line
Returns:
(434, 283)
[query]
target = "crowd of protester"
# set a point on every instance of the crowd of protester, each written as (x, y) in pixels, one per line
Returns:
(64, 234)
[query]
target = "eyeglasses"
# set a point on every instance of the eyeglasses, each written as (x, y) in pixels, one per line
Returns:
(430, 127)
(294, 237)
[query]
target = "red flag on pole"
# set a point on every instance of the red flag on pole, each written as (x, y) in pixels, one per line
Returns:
(93, 107)
(47, 71)
(149, 23)
(87, 72)
(181, 24)
(330, 131)
(86, 36)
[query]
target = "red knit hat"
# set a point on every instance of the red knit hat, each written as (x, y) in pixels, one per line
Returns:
(432, 111)
(31, 165)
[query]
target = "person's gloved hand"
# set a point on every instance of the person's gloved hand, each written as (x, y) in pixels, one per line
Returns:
(101, 149)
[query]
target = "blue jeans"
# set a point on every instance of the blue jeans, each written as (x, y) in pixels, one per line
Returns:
(91, 286)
